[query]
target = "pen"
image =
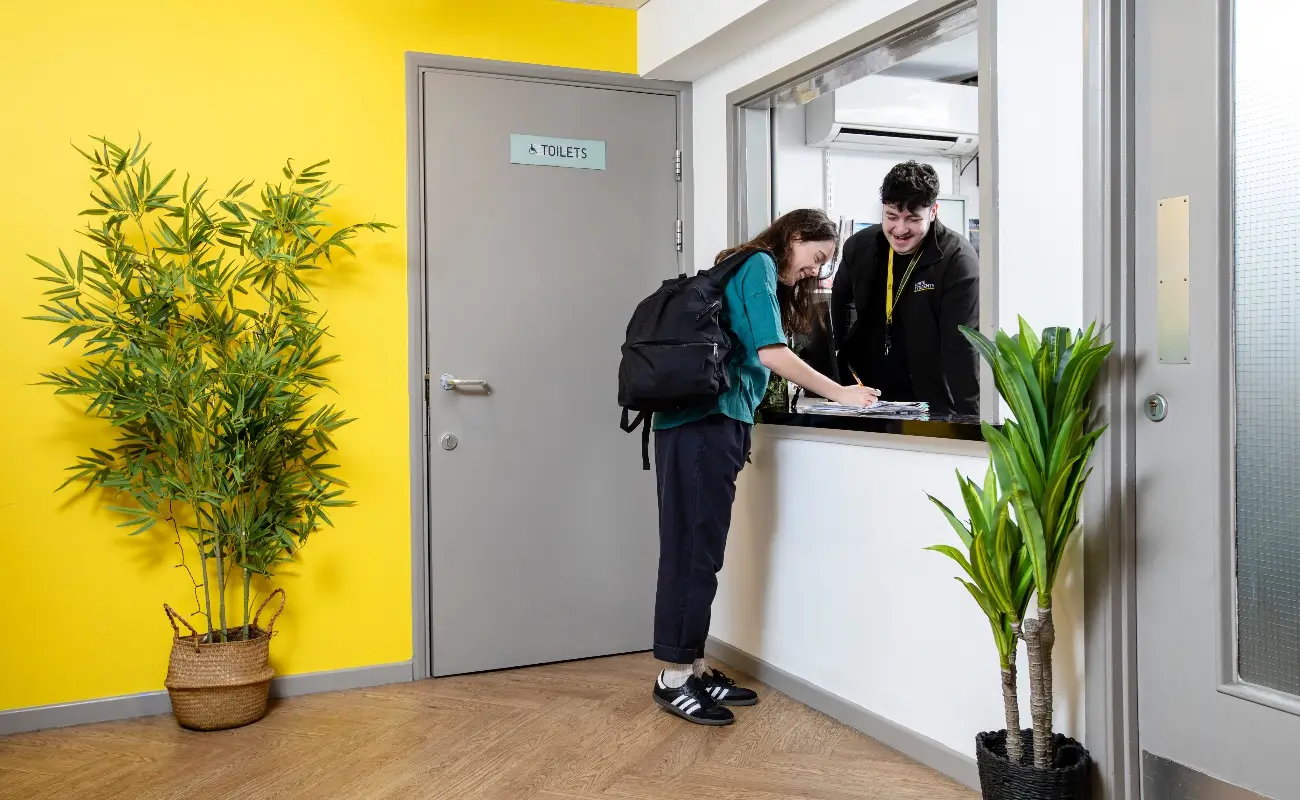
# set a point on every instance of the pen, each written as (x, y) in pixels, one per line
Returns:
(854, 373)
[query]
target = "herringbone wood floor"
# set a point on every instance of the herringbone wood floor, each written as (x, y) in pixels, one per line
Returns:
(580, 731)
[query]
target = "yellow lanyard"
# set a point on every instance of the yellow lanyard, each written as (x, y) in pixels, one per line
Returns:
(891, 300)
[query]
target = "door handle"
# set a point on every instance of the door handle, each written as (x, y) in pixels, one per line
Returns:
(451, 383)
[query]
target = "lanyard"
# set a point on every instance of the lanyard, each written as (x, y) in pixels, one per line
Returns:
(891, 299)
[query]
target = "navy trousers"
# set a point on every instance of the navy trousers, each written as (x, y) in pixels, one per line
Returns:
(696, 465)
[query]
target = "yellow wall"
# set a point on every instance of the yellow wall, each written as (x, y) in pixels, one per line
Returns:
(225, 90)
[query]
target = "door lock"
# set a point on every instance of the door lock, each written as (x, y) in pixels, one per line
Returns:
(449, 441)
(1156, 407)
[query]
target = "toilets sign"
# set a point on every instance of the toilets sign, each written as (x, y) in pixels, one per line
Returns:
(545, 151)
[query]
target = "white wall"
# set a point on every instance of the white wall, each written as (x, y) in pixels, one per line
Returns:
(1040, 121)
(681, 40)
(1040, 52)
(710, 100)
(855, 175)
(827, 578)
(800, 172)
(856, 179)
(825, 574)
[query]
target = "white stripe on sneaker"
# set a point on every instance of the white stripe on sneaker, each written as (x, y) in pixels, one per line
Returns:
(725, 691)
(682, 701)
(693, 708)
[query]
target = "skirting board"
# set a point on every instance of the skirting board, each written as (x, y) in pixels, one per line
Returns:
(147, 704)
(940, 757)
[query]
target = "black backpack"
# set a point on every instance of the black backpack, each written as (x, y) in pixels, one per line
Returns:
(676, 352)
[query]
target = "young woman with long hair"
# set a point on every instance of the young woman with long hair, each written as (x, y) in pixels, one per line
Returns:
(699, 452)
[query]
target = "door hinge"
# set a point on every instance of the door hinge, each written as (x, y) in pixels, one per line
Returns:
(426, 387)
(679, 236)
(678, 170)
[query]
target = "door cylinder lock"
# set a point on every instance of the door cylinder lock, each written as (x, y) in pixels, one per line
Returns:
(1156, 407)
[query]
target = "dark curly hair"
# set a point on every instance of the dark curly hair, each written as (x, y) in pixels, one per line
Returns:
(803, 225)
(910, 186)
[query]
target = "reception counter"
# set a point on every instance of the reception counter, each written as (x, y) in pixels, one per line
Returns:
(932, 426)
(828, 591)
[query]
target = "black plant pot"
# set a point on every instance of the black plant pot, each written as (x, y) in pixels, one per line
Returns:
(1000, 779)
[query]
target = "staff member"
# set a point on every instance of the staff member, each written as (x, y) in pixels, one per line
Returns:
(902, 289)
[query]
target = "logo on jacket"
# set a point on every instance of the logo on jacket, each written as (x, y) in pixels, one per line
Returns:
(922, 286)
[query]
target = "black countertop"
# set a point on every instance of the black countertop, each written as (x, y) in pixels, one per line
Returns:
(934, 425)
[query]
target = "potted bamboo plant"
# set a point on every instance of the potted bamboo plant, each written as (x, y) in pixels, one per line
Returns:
(202, 352)
(1020, 524)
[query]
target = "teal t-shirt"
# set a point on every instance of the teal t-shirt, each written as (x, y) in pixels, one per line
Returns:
(753, 321)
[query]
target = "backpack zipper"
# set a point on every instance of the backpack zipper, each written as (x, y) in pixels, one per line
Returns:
(713, 307)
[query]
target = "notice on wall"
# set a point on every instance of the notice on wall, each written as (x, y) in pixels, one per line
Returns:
(547, 151)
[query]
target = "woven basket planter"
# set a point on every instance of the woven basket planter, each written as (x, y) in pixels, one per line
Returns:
(219, 685)
(1000, 779)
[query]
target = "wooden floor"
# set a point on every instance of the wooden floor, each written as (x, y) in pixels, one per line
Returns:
(580, 731)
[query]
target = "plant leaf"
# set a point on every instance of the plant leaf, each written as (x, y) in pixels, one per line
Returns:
(961, 529)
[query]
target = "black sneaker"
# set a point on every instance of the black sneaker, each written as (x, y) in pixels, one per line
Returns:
(725, 691)
(691, 702)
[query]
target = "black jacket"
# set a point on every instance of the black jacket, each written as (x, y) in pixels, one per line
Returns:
(943, 364)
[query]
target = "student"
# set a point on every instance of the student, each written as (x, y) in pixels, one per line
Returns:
(906, 342)
(699, 453)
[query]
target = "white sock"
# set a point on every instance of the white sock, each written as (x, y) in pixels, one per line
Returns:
(675, 676)
(698, 668)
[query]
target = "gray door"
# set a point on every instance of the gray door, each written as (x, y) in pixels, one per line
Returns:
(1217, 307)
(543, 537)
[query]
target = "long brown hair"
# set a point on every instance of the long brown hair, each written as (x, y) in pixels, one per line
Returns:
(803, 225)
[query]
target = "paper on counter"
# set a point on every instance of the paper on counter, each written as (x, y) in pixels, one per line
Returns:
(883, 408)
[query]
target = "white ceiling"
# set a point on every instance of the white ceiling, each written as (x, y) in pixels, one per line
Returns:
(953, 60)
(614, 3)
(959, 58)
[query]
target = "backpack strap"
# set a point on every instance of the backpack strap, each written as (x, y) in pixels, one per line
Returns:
(642, 419)
(729, 266)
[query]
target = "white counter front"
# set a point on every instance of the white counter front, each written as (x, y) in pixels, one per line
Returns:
(827, 579)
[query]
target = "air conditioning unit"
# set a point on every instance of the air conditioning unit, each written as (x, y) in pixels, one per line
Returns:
(897, 115)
